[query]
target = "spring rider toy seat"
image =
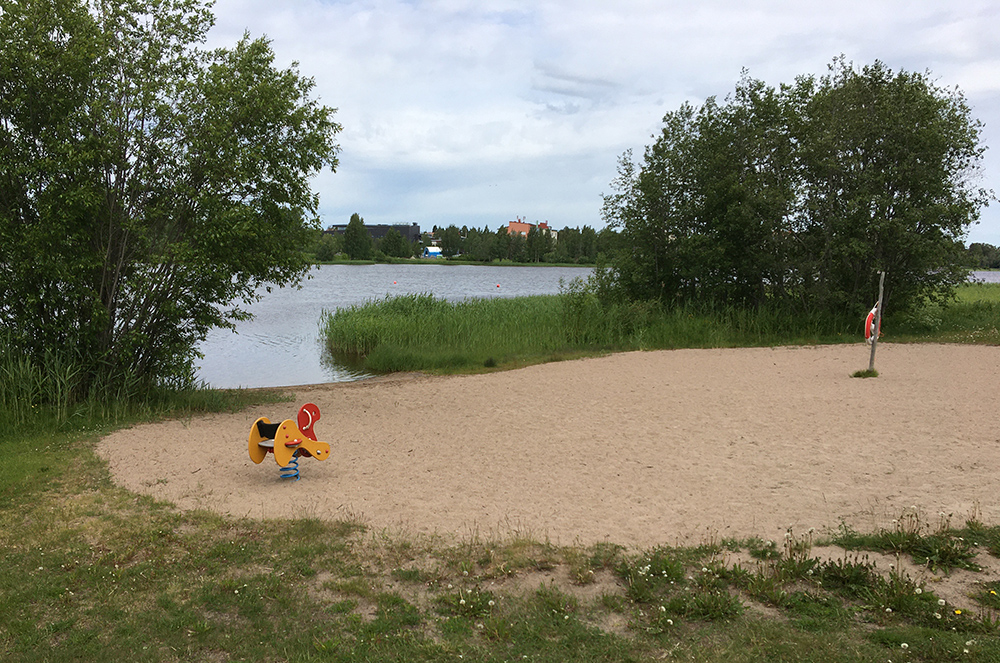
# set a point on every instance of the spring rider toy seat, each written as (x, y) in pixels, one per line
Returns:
(287, 441)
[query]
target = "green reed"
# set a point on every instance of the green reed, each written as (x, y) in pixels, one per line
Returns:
(48, 395)
(421, 332)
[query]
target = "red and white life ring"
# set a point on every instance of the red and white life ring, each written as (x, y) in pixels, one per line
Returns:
(870, 324)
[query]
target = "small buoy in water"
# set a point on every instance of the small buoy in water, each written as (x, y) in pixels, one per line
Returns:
(394, 283)
(498, 285)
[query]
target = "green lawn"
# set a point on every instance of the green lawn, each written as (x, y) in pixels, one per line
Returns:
(90, 571)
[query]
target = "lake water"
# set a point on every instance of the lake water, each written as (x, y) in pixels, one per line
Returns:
(986, 277)
(281, 346)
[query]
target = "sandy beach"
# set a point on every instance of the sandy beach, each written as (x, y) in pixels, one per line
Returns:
(639, 449)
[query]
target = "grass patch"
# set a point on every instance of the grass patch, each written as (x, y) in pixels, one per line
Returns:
(89, 571)
(942, 548)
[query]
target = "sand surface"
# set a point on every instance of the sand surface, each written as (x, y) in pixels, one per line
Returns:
(639, 449)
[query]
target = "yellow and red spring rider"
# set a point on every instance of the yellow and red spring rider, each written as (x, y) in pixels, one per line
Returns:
(288, 441)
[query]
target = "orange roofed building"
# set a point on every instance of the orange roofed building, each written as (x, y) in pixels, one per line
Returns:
(523, 227)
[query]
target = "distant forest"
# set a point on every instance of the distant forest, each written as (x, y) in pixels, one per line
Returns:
(984, 256)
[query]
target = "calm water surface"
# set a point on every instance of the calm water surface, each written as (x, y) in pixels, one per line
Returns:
(281, 346)
(986, 277)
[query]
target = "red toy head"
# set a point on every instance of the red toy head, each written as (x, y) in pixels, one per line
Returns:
(308, 416)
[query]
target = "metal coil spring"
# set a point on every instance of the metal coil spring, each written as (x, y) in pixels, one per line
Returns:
(291, 471)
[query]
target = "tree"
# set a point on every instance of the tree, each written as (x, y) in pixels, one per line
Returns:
(501, 244)
(147, 187)
(798, 196)
(537, 243)
(984, 256)
(890, 161)
(451, 241)
(394, 245)
(327, 247)
(357, 241)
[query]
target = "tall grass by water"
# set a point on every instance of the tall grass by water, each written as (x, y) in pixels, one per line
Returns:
(47, 396)
(421, 332)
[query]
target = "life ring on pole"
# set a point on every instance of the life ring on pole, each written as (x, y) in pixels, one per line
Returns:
(870, 325)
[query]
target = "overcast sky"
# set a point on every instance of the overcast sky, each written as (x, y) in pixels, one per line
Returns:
(475, 112)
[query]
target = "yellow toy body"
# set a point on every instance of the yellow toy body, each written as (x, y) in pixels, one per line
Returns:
(286, 440)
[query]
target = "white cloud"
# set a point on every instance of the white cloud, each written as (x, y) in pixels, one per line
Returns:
(470, 108)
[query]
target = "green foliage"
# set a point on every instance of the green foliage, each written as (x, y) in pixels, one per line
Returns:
(327, 247)
(983, 256)
(357, 242)
(972, 317)
(420, 332)
(451, 241)
(148, 186)
(568, 246)
(943, 549)
(651, 576)
(793, 198)
(395, 245)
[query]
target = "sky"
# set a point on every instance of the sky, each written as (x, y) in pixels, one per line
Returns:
(479, 112)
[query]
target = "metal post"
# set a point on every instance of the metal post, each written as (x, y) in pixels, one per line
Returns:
(878, 321)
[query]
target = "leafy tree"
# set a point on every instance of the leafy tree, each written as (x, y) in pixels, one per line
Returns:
(889, 161)
(147, 187)
(394, 245)
(501, 244)
(537, 243)
(567, 249)
(588, 244)
(517, 250)
(451, 241)
(328, 246)
(357, 241)
(798, 196)
(984, 256)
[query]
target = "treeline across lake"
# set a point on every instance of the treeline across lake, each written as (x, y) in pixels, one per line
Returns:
(571, 245)
(984, 256)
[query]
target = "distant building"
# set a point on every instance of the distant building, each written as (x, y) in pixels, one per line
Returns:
(522, 228)
(431, 252)
(410, 233)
